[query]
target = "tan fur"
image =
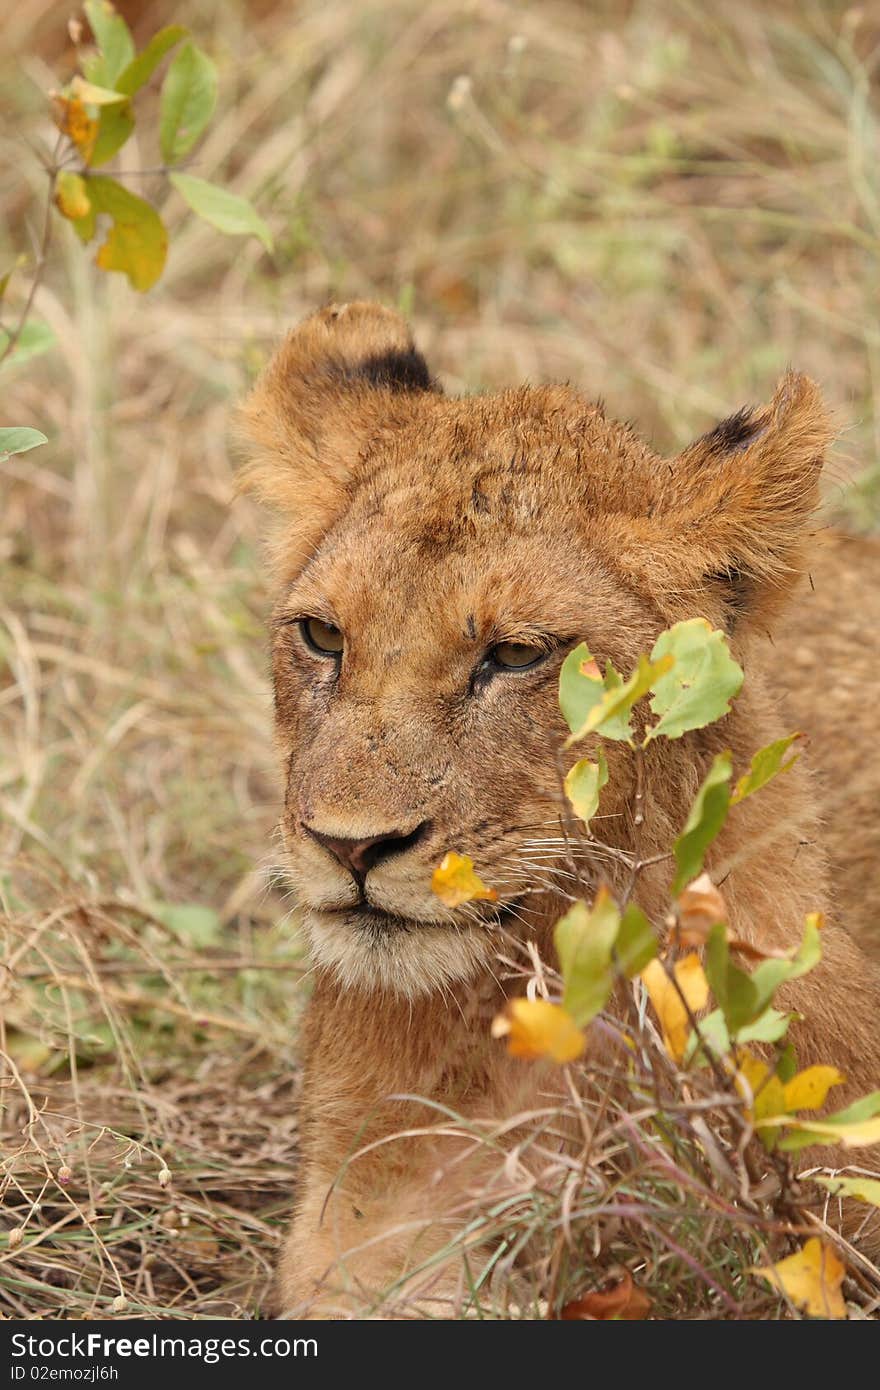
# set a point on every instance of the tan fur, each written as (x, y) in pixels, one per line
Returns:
(427, 529)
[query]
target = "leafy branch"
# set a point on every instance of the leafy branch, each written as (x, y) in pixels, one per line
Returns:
(688, 679)
(95, 117)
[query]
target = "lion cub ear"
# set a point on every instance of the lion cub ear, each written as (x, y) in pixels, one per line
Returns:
(736, 506)
(341, 376)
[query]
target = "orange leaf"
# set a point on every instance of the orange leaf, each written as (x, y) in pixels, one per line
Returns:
(811, 1278)
(698, 908)
(537, 1028)
(623, 1302)
(74, 121)
(455, 882)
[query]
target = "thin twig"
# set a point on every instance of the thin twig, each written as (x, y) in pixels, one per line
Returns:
(42, 256)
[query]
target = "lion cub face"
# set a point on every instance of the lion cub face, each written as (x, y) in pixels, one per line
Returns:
(436, 560)
(416, 662)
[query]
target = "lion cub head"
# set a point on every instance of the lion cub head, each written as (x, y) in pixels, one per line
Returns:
(434, 560)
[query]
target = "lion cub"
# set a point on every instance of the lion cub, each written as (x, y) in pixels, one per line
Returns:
(434, 560)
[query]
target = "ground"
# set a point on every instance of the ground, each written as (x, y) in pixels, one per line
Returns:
(658, 203)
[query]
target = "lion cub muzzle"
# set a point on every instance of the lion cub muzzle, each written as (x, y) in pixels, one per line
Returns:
(359, 856)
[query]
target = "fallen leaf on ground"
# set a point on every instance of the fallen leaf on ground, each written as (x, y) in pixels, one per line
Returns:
(623, 1302)
(811, 1278)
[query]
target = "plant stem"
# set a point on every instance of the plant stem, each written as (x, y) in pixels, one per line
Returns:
(42, 256)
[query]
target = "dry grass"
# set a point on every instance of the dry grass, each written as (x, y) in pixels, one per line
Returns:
(658, 202)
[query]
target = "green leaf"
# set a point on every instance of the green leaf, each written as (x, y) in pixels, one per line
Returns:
(141, 68)
(865, 1108)
(189, 94)
(707, 816)
(854, 1127)
(769, 1027)
(580, 686)
(34, 339)
(225, 211)
(615, 723)
(636, 942)
(583, 784)
(734, 991)
(770, 974)
(713, 1035)
(864, 1189)
(765, 765)
(137, 243)
(584, 940)
(17, 439)
(701, 680)
(115, 125)
(194, 924)
(610, 716)
(744, 999)
(115, 44)
(787, 1066)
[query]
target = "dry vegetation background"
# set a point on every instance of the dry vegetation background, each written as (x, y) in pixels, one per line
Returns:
(666, 203)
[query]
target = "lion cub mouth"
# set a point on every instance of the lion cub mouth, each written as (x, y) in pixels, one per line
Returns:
(365, 915)
(367, 947)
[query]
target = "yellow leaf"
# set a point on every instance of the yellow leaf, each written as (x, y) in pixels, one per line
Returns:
(74, 121)
(863, 1189)
(807, 1090)
(698, 907)
(667, 1000)
(455, 882)
(752, 1070)
(765, 1093)
(87, 92)
(137, 242)
(583, 784)
(72, 196)
(859, 1134)
(536, 1028)
(811, 1278)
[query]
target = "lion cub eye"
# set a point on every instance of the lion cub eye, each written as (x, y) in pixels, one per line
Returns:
(514, 656)
(322, 637)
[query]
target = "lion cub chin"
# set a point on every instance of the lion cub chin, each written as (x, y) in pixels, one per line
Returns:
(434, 559)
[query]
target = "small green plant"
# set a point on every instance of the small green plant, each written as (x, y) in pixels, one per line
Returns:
(95, 116)
(691, 678)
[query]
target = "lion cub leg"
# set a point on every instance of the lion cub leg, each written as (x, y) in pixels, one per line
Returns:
(382, 1243)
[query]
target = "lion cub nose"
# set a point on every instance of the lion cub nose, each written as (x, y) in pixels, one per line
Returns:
(360, 856)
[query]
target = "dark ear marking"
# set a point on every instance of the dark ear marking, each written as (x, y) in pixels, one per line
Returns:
(398, 369)
(736, 589)
(736, 432)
